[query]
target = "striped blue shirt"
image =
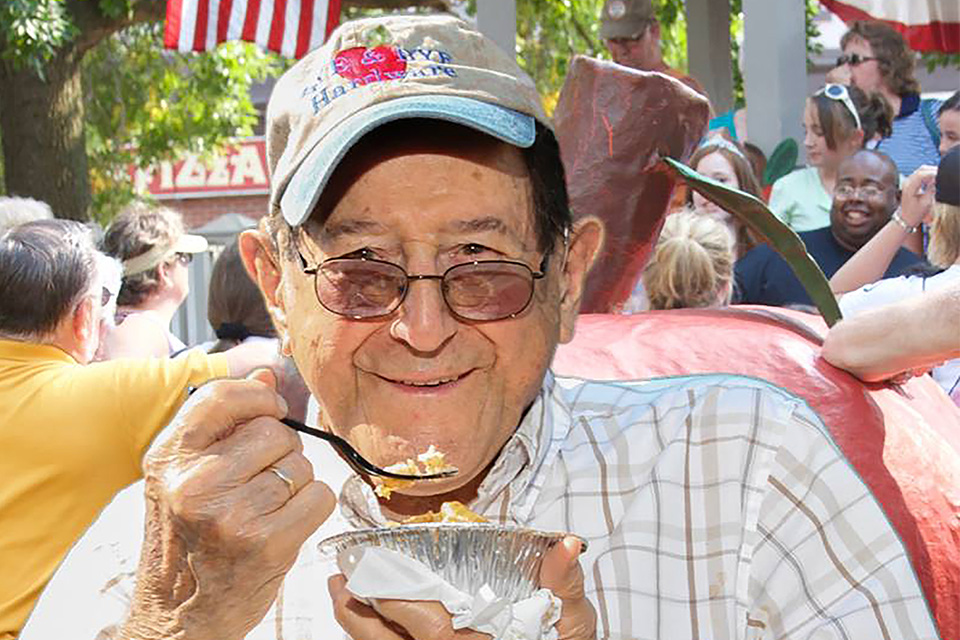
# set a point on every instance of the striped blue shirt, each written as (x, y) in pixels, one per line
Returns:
(911, 144)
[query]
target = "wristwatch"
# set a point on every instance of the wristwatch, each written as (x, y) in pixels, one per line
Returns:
(896, 217)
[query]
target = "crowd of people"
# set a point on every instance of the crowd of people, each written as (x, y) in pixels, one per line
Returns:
(420, 313)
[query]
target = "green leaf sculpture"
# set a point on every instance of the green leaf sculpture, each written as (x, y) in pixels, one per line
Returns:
(767, 227)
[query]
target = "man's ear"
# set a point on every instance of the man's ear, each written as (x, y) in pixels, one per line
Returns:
(585, 243)
(655, 29)
(85, 327)
(261, 260)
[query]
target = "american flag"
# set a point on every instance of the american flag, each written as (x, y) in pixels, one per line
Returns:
(926, 25)
(289, 27)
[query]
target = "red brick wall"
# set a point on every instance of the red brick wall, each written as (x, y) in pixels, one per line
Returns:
(199, 211)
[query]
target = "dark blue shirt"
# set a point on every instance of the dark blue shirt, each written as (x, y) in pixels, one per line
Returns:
(763, 277)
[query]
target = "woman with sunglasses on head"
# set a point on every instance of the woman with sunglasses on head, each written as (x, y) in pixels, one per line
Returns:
(877, 60)
(838, 121)
(155, 252)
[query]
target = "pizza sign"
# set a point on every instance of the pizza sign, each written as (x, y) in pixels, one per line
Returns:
(239, 170)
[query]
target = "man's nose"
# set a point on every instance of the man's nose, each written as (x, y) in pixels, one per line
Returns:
(424, 321)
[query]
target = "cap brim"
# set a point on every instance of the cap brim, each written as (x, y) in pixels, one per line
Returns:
(189, 243)
(309, 180)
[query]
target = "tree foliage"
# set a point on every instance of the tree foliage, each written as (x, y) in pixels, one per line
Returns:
(144, 104)
(31, 32)
(551, 32)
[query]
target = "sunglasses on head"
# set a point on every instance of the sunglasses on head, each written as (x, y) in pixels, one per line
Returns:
(854, 59)
(841, 94)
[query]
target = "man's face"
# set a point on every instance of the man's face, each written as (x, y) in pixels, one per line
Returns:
(642, 52)
(866, 75)
(397, 384)
(865, 196)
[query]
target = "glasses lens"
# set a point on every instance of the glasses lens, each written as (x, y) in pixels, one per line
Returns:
(488, 290)
(360, 288)
(185, 258)
(104, 297)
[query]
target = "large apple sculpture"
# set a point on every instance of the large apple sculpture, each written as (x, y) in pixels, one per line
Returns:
(615, 125)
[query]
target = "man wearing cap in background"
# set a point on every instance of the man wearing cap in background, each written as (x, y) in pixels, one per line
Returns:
(632, 34)
(155, 251)
(421, 266)
(71, 433)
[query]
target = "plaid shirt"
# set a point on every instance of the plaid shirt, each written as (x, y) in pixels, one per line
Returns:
(716, 507)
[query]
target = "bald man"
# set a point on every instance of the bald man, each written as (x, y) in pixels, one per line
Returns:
(865, 198)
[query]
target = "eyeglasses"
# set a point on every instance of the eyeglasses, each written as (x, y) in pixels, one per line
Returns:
(840, 93)
(854, 59)
(867, 191)
(184, 258)
(481, 291)
(105, 296)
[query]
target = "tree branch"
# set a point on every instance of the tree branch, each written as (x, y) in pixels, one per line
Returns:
(94, 26)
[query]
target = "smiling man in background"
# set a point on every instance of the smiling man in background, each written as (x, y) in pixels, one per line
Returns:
(421, 266)
(865, 197)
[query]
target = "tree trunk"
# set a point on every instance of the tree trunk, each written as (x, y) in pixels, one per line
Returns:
(44, 150)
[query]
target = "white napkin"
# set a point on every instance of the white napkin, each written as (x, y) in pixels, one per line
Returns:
(376, 572)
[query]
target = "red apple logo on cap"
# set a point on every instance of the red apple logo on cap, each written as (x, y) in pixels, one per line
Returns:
(369, 65)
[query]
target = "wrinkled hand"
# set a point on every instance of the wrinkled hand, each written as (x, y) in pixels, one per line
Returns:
(916, 200)
(428, 620)
(221, 528)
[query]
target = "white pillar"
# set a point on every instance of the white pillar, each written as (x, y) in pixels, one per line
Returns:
(774, 70)
(708, 50)
(497, 19)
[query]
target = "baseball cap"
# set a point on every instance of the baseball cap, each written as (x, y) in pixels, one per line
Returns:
(625, 18)
(377, 70)
(948, 178)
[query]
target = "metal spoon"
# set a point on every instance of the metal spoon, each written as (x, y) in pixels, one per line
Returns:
(357, 461)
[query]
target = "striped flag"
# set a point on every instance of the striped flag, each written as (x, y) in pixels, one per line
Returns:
(289, 27)
(926, 25)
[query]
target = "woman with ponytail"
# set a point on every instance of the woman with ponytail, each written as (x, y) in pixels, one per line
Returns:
(692, 264)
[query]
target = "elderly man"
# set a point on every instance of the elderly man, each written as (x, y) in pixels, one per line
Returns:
(631, 31)
(421, 266)
(865, 199)
(72, 434)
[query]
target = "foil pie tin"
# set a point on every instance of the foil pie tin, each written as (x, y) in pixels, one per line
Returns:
(467, 555)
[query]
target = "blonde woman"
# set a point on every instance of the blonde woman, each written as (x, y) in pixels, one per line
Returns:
(692, 264)
(929, 195)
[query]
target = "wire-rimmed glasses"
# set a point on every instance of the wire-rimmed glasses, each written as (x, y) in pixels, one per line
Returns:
(479, 291)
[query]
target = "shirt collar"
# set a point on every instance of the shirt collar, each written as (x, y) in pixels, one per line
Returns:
(26, 351)
(513, 470)
(909, 103)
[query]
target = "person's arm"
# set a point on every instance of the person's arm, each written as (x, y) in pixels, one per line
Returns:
(250, 355)
(872, 260)
(135, 337)
(918, 333)
(216, 515)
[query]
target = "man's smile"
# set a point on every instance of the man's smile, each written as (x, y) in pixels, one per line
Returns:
(421, 383)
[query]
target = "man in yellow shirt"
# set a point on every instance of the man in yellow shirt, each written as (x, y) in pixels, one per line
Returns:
(71, 433)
